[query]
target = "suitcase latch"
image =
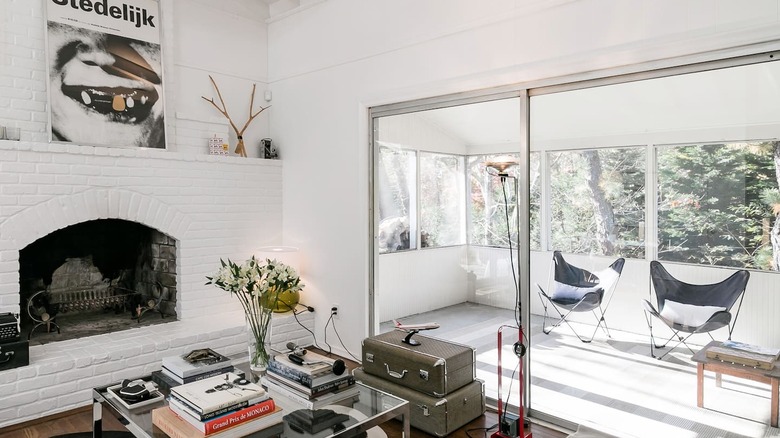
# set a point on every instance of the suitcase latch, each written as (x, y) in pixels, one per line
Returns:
(370, 357)
(425, 411)
(424, 374)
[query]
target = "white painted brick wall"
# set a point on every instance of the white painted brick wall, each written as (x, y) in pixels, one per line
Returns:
(213, 206)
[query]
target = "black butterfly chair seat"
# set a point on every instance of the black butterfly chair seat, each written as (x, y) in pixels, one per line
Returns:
(578, 290)
(692, 308)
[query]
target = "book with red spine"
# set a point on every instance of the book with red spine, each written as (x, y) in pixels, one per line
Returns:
(223, 422)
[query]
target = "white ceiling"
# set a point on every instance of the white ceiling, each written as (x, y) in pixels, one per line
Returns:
(479, 124)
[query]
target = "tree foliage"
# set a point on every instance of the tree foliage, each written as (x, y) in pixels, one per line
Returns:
(714, 204)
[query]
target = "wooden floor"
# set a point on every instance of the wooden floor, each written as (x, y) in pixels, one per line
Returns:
(81, 421)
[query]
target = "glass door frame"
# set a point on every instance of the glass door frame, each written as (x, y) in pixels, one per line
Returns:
(743, 55)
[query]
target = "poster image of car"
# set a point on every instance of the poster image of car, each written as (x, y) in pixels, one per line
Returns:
(105, 73)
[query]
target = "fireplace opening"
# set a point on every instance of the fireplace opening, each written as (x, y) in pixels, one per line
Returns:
(96, 277)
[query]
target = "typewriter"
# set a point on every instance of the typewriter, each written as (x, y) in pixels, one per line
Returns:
(9, 328)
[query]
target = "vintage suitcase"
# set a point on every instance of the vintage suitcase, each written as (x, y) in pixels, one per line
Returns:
(436, 416)
(435, 367)
(14, 354)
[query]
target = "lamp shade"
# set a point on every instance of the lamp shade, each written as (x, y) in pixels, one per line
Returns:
(501, 164)
(286, 254)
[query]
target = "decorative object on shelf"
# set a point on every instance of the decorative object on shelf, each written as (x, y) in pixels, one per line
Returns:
(257, 285)
(240, 149)
(269, 150)
(217, 146)
(12, 133)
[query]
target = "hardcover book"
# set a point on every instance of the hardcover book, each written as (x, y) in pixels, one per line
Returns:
(224, 421)
(222, 370)
(279, 391)
(312, 370)
(195, 362)
(176, 427)
(284, 367)
(330, 385)
(218, 392)
(743, 356)
(343, 382)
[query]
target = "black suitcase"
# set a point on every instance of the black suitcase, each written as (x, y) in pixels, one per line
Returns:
(14, 354)
(435, 367)
(436, 416)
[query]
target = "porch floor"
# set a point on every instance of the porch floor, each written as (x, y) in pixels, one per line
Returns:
(611, 384)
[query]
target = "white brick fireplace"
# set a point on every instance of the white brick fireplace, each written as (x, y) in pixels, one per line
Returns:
(212, 206)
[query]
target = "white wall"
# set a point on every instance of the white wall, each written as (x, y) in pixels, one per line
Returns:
(227, 40)
(329, 63)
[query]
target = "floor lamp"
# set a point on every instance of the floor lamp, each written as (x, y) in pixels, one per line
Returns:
(509, 425)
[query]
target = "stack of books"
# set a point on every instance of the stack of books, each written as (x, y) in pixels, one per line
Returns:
(226, 405)
(308, 386)
(190, 367)
(745, 354)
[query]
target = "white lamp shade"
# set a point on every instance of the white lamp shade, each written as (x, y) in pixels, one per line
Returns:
(502, 164)
(286, 254)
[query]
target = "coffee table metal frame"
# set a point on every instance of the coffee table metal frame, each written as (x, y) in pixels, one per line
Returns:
(378, 406)
(769, 377)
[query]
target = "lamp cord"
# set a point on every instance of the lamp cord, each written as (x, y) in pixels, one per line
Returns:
(332, 322)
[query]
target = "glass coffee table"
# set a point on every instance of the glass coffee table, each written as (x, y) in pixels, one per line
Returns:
(373, 406)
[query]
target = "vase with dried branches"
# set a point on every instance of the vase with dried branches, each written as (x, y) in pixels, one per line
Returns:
(240, 149)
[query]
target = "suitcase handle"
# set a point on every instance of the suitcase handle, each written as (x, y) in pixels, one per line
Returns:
(395, 374)
(9, 355)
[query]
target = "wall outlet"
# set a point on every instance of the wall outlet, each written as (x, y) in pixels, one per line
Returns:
(334, 310)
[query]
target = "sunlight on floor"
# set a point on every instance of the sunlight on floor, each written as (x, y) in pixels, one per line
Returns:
(612, 384)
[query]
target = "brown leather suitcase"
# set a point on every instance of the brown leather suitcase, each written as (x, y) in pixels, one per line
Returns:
(434, 415)
(435, 367)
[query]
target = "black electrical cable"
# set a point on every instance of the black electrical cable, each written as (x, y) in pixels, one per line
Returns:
(333, 323)
(483, 429)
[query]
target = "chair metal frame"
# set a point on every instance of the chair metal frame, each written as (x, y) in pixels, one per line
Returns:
(591, 301)
(717, 321)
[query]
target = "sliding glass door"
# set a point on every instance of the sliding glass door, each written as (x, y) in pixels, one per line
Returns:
(679, 166)
(684, 170)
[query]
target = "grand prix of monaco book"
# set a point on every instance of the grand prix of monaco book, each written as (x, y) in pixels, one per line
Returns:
(176, 426)
(219, 394)
(224, 421)
(196, 362)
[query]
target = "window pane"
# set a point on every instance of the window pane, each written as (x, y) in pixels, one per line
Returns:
(492, 204)
(715, 204)
(396, 199)
(441, 200)
(598, 202)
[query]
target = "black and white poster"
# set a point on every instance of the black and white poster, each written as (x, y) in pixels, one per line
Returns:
(105, 72)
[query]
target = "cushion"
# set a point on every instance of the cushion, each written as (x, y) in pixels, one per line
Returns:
(568, 294)
(688, 314)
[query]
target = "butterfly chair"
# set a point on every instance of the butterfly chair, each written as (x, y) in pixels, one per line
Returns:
(689, 309)
(578, 290)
